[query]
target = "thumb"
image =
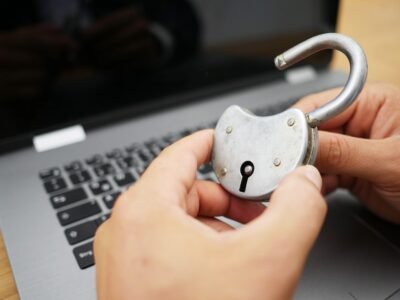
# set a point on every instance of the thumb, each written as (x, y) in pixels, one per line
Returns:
(346, 155)
(294, 216)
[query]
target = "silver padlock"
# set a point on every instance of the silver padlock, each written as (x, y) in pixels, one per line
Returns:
(252, 154)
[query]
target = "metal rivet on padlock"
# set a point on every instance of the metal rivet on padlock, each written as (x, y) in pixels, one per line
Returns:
(251, 160)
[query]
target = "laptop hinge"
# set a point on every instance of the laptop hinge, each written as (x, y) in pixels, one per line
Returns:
(59, 138)
(300, 75)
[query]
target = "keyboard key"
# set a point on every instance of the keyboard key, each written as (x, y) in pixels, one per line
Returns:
(172, 138)
(95, 160)
(155, 149)
(206, 169)
(81, 232)
(124, 179)
(74, 166)
(140, 169)
(50, 173)
(69, 197)
(185, 132)
(127, 162)
(84, 255)
(102, 219)
(80, 177)
(109, 200)
(100, 187)
(150, 144)
(145, 155)
(77, 213)
(104, 170)
(55, 185)
(116, 153)
(135, 147)
(162, 144)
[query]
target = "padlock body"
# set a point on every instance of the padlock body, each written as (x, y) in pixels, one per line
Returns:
(275, 145)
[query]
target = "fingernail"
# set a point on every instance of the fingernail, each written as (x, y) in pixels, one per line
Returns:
(314, 176)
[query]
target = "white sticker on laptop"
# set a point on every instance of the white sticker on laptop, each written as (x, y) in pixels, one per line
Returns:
(300, 75)
(59, 138)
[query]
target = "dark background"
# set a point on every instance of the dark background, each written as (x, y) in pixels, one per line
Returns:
(77, 61)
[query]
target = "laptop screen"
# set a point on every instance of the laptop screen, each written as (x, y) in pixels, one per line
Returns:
(66, 61)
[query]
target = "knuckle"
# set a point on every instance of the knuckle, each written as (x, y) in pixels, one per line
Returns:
(388, 91)
(337, 150)
(380, 86)
(389, 151)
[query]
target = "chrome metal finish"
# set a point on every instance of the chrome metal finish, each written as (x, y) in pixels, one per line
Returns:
(276, 145)
(291, 122)
(274, 148)
(277, 162)
(224, 171)
(248, 170)
(355, 82)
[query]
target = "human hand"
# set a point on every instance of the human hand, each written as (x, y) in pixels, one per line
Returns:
(163, 242)
(121, 41)
(359, 149)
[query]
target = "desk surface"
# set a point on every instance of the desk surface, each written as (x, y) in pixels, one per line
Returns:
(373, 23)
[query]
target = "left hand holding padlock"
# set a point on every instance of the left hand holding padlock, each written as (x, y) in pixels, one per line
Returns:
(359, 149)
(163, 241)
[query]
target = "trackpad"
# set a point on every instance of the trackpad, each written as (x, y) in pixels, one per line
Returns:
(352, 259)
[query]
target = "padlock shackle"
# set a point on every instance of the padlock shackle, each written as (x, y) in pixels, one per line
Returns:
(355, 81)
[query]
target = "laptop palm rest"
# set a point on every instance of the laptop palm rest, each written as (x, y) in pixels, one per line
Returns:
(351, 258)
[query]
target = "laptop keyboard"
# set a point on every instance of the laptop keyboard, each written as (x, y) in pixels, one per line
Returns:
(83, 192)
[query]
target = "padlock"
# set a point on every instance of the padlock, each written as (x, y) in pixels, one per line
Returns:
(252, 154)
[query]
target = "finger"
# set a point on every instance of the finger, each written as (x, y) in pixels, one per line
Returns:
(371, 160)
(171, 175)
(215, 224)
(385, 209)
(209, 199)
(314, 101)
(329, 184)
(377, 103)
(294, 216)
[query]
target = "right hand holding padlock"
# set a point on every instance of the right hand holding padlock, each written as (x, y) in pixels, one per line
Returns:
(359, 149)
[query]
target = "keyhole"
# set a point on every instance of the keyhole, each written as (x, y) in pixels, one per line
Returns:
(247, 169)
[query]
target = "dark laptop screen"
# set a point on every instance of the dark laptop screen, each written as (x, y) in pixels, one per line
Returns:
(65, 61)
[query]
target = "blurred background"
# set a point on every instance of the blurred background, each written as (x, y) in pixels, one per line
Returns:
(375, 24)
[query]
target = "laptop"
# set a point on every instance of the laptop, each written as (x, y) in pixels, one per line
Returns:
(92, 91)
